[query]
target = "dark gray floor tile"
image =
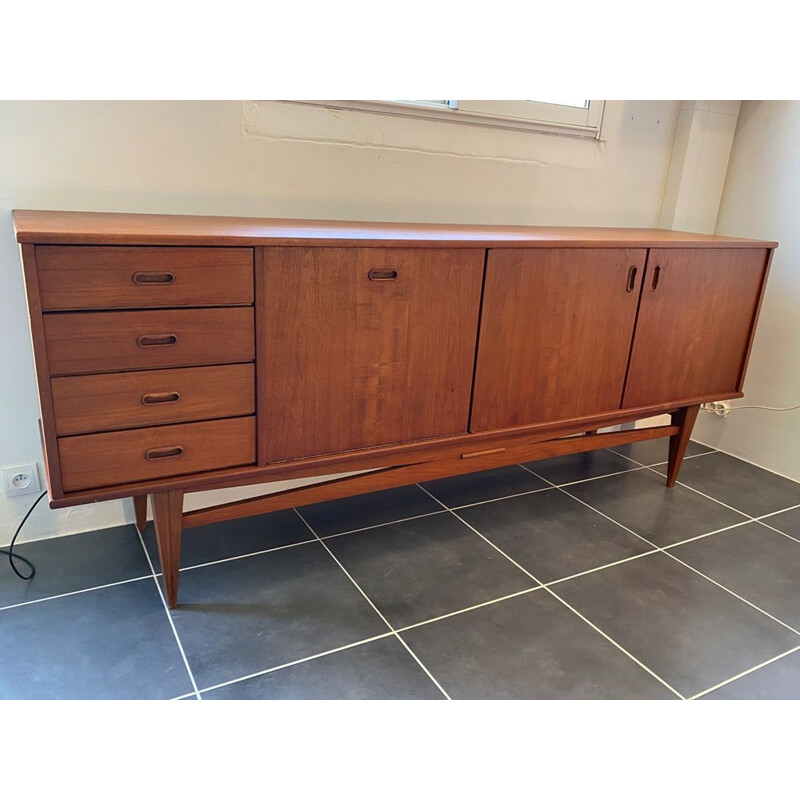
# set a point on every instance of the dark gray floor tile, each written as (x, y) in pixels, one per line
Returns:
(528, 647)
(71, 563)
(777, 681)
(760, 564)
(476, 487)
(640, 501)
(236, 537)
(690, 632)
(580, 466)
(656, 451)
(426, 567)
(242, 616)
(362, 511)
(552, 535)
(787, 521)
(381, 670)
(112, 643)
(744, 486)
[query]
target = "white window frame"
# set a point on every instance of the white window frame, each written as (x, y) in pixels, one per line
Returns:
(513, 114)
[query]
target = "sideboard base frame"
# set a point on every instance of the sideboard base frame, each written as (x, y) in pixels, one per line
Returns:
(170, 520)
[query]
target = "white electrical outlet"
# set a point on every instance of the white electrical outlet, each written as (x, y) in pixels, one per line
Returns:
(21, 480)
(721, 408)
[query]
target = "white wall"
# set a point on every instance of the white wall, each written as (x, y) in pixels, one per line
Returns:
(761, 199)
(227, 158)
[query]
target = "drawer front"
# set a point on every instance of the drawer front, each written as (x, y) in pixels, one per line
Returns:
(78, 277)
(128, 340)
(106, 459)
(90, 403)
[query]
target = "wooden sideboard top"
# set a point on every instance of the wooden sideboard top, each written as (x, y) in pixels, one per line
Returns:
(82, 227)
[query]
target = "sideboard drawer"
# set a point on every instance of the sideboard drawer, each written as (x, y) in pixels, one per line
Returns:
(91, 403)
(105, 459)
(128, 340)
(85, 277)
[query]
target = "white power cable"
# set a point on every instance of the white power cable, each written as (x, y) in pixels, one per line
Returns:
(766, 408)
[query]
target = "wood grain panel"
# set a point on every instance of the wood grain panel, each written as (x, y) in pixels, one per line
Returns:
(91, 403)
(81, 227)
(694, 324)
(85, 342)
(73, 278)
(556, 328)
(352, 362)
(106, 459)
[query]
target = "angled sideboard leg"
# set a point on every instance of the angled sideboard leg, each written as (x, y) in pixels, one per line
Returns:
(140, 510)
(684, 418)
(168, 519)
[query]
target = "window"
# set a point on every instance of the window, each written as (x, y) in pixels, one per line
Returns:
(567, 117)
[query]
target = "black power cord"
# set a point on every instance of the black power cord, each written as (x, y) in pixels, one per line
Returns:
(10, 552)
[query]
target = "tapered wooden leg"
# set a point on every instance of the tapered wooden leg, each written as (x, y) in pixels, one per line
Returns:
(168, 519)
(140, 510)
(684, 418)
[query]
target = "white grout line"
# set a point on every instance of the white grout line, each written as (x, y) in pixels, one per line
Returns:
(296, 662)
(746, 672)
(77, 591)
(561, 600)
(596, 477)
(469, 608)
(600, 568)
(169, 617)
(773, 513)
(184, 696)
(246, 555)
(375, 608)
(489, 500)
(376, 525)
(705, 535)
(659, 463)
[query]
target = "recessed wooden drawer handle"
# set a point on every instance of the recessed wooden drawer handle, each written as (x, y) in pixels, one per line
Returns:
(631, 278)
(163, 452)
(483, 453)
(148, 278)
(382, 274)
(155, 398)
(656, 276)
(157, 340)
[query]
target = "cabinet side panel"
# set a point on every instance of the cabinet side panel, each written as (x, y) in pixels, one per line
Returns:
(365, 347)
(746, 359)
(48, 425)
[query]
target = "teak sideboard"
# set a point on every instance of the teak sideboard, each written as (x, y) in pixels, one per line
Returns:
(176, 354)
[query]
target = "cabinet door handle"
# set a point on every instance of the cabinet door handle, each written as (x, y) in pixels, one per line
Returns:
(382, 274)
(631, 278)
(157, 339)
(147, 278)
(656, 276)
(163, 452)
(154, 398)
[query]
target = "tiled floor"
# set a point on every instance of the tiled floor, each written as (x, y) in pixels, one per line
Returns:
(578, 577)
